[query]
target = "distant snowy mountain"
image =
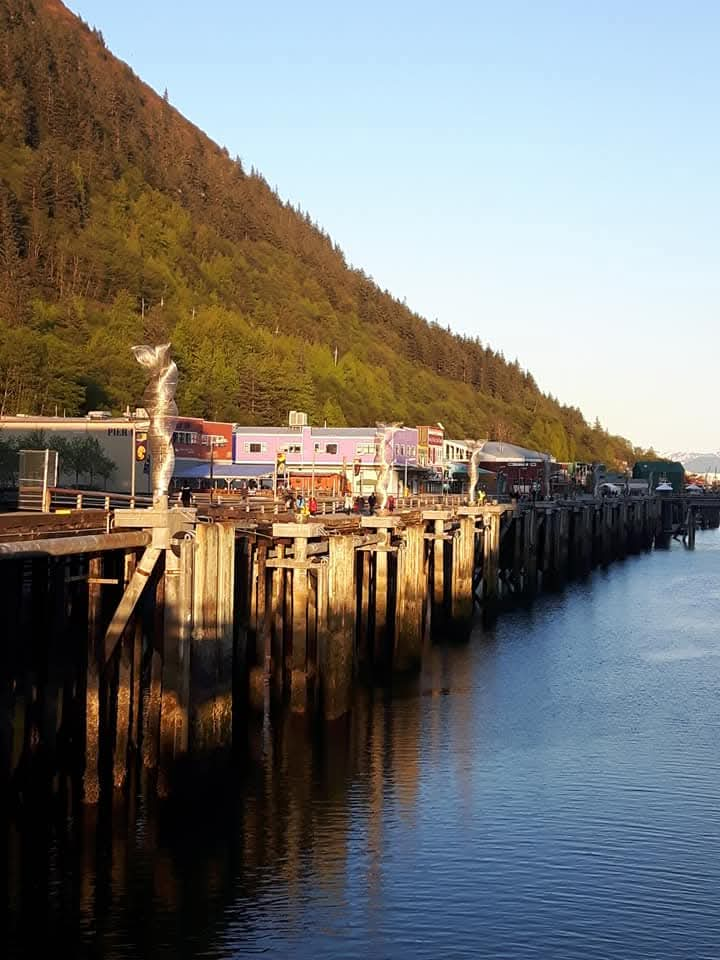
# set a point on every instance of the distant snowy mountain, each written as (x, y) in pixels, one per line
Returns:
(696, 462)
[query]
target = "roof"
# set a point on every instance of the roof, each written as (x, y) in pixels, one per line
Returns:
(500, 450)
(314, 431)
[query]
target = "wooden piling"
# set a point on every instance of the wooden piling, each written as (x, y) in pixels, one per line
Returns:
(364, 615)
(530, 551)
(174, 711)
(213, 592)
(91, 775)
(298, 677)
(410, 599)
(277, 605)
(336, 605)
(491, 557)
(380, 633)
(151, 720)
(124, 687)
(226, 619)
(463, 555)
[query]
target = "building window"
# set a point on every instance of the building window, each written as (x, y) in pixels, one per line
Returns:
(184, 438)
(255, 447)
(294, 448)
(362, 448)
(330, 448)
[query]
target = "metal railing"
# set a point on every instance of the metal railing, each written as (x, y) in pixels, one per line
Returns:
(64, 498)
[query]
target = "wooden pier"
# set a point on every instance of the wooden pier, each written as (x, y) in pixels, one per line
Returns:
(137, 637)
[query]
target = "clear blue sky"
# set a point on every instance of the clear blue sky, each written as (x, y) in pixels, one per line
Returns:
(541, 174)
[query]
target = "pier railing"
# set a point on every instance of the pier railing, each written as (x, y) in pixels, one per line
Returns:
(58, 499)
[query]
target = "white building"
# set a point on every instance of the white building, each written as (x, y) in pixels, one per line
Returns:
(118, 438)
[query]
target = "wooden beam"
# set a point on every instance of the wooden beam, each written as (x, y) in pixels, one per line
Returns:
(130, 598)
(67, 546)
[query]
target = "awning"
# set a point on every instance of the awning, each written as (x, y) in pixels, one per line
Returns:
(221, 471)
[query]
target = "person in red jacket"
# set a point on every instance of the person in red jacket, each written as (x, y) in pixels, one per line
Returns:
(312, 506)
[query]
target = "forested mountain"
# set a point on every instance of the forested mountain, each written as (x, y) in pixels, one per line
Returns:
(121, 222)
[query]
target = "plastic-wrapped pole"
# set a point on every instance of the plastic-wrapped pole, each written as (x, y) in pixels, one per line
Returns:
(162, 410)
(474, 474)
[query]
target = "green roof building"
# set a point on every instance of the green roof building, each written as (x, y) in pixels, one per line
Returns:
(660, 471)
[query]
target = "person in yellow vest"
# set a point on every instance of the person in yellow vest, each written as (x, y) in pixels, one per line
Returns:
(481, 497)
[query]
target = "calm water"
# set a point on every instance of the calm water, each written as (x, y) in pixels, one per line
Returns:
(550, 790)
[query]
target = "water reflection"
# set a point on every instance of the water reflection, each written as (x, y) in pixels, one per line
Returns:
(548, 790)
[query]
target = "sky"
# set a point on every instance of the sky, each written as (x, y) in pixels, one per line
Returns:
(541, 174)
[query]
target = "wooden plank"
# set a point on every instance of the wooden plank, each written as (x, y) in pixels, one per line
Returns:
(130, 597)
(24, 526)
(70, 546)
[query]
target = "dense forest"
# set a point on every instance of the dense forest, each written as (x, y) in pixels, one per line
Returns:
(121, 222)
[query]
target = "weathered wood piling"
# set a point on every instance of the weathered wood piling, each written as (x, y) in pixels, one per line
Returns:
(142, 646)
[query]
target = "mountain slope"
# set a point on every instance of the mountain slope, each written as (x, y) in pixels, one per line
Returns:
(121, 222)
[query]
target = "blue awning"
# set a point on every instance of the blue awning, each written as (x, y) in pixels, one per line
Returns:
(221, 471)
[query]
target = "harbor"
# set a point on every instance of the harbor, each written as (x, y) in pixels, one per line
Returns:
(552, 779)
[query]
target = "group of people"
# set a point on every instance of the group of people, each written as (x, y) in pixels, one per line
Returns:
(365, 505)
(298, 504)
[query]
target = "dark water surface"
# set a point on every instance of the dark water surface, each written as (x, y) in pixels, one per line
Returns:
(549, 790)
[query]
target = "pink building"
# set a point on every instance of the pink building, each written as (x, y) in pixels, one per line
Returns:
(332, 459)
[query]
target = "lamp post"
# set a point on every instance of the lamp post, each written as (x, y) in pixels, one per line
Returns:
(214, 442)
(133, 465)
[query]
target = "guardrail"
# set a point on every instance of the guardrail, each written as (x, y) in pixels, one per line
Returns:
(63, 498)
(68, 498)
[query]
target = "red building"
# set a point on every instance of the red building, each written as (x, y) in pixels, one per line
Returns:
(202, 447)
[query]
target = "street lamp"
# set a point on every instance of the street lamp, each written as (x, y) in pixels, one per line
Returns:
(215, 441)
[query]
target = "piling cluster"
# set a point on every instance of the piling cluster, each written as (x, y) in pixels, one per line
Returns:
(240, 615)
